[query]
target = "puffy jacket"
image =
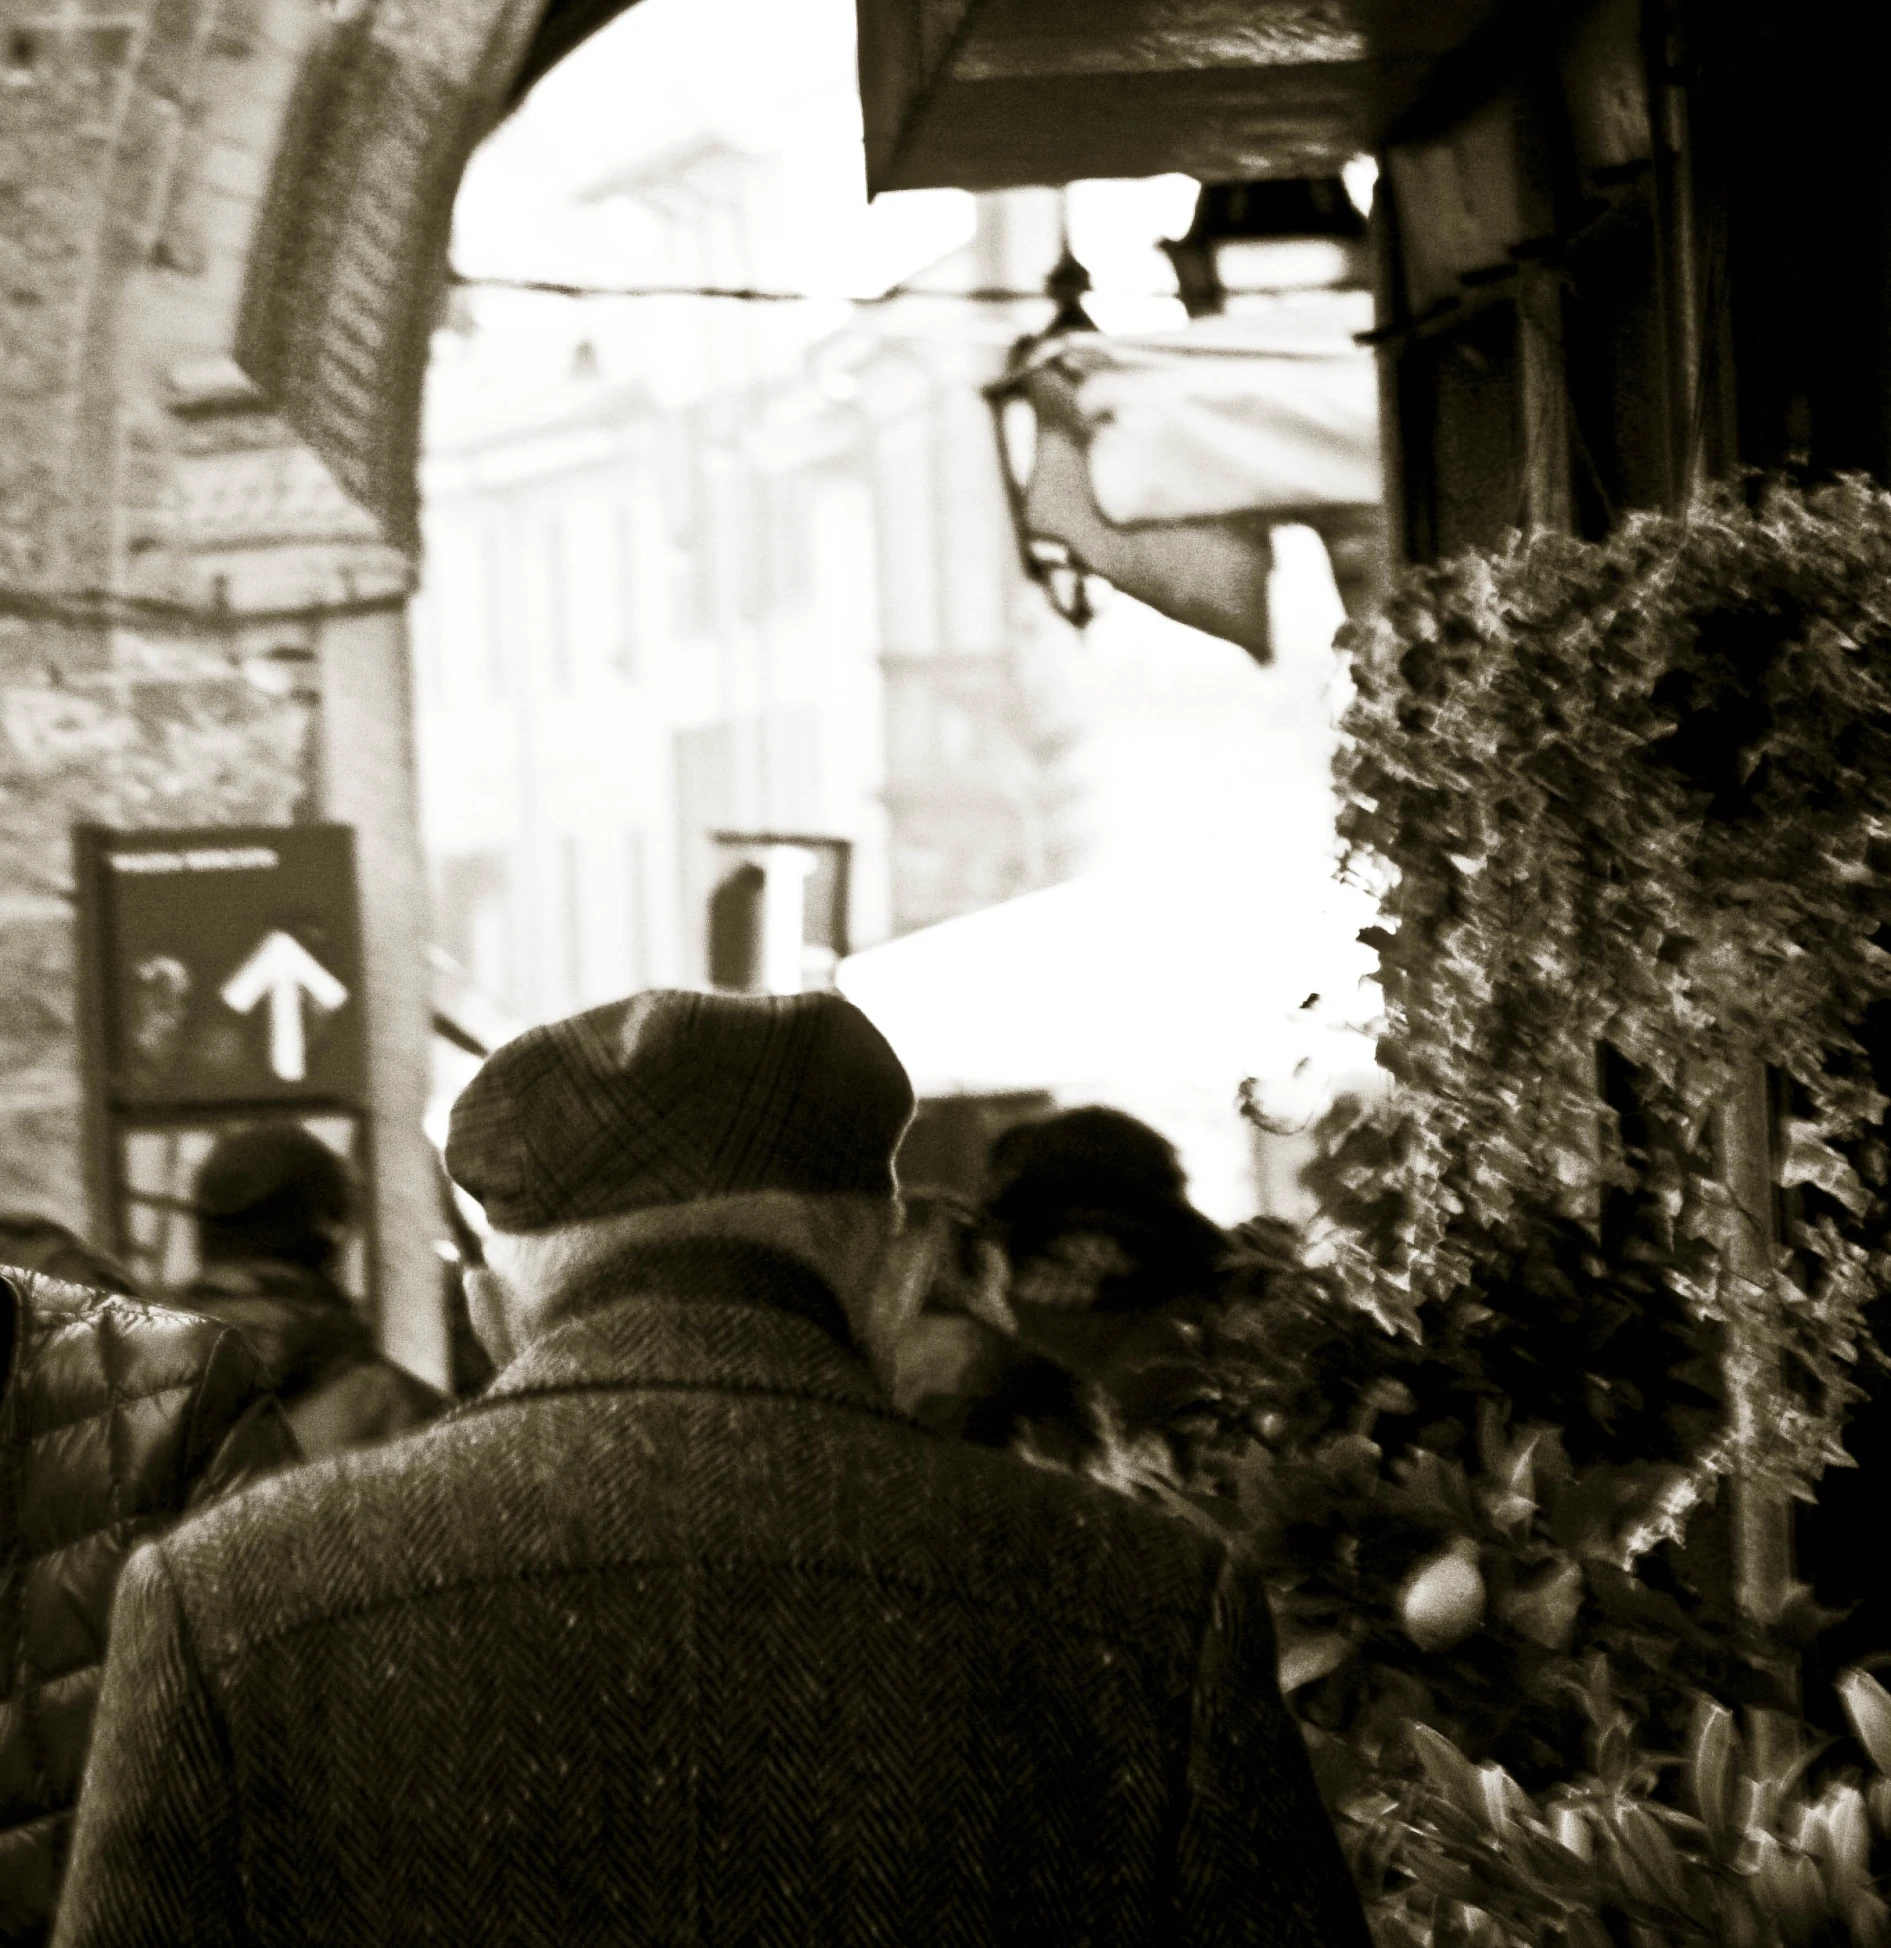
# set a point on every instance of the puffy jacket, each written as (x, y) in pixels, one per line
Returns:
(116, 1417)
(317, 1354)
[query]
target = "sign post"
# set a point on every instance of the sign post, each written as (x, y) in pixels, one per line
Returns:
(778, 919)
(220, 984)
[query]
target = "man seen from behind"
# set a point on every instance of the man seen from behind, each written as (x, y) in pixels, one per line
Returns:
(680, 1632)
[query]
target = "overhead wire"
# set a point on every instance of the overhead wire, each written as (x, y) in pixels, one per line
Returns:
(742, 293)
(900, 293)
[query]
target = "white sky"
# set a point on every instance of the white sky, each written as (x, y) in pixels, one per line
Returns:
(773, 80)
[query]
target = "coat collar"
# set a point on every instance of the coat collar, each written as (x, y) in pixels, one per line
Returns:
(720, 1317)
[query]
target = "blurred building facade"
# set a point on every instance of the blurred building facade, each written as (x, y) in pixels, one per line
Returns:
(702, 574)
(758, 590)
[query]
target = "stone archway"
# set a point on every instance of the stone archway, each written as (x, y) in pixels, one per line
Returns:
(347, 264)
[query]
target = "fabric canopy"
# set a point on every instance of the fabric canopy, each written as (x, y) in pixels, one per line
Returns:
(1160, 990)
(1157, 973)
(1218, 421)
(1162, 463)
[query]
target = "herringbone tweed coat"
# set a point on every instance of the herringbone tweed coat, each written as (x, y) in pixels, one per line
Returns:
(680, 1635)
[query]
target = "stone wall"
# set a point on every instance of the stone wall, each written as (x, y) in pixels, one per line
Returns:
(202, 578)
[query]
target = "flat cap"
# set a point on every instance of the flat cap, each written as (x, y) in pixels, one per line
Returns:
(673, 1095)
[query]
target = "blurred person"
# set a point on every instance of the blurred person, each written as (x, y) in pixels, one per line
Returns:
(1091, 1208)
(681, 1631)
(274, 1207)
(115, 1417)
(1114, 1272)
(955, 1360)
(1067, 1308)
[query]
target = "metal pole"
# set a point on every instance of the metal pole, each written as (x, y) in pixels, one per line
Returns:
(1761, 1514)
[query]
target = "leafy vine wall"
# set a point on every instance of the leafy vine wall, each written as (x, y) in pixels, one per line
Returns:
(1634, 803)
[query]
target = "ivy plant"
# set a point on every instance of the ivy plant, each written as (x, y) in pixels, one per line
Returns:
(1628, 808)
(1630, 805)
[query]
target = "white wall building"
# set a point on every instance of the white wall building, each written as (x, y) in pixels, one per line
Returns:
(702, 599)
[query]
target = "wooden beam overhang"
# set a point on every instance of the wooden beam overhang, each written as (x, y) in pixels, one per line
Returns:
(992, 94)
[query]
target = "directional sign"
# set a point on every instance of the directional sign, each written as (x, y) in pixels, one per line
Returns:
(224, 966)
(282, 971)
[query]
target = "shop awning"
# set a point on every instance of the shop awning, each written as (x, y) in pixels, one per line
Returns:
(1159, 990)
(1162, 463)
(1195, 972)
(1223, 418)
(990, 94)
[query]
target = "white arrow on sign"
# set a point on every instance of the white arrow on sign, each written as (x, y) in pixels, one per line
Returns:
(282, 970)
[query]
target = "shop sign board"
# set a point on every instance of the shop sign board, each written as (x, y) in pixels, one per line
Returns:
(220, 985)
(224, 966)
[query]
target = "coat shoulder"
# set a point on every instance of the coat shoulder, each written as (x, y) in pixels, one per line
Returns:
(361, 1401)
(118, 1401)
(520, 1490)
(83, 1350)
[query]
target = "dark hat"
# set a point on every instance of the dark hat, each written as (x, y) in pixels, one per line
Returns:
(272, 1190)
(257, 1164)
(1099, 1174)
(670, 1096)
(1084, 1152)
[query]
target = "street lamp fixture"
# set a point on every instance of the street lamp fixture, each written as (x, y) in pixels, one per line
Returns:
(1264, 239)
(1046, 560)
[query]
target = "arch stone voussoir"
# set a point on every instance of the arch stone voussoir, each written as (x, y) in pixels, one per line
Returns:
(349, 256)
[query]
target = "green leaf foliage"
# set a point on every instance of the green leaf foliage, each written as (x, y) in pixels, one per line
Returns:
(1628, 806)
(1631, 803)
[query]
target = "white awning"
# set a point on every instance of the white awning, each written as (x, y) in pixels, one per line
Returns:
(1275, 415)
(1145, 975)
(1162, 463)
